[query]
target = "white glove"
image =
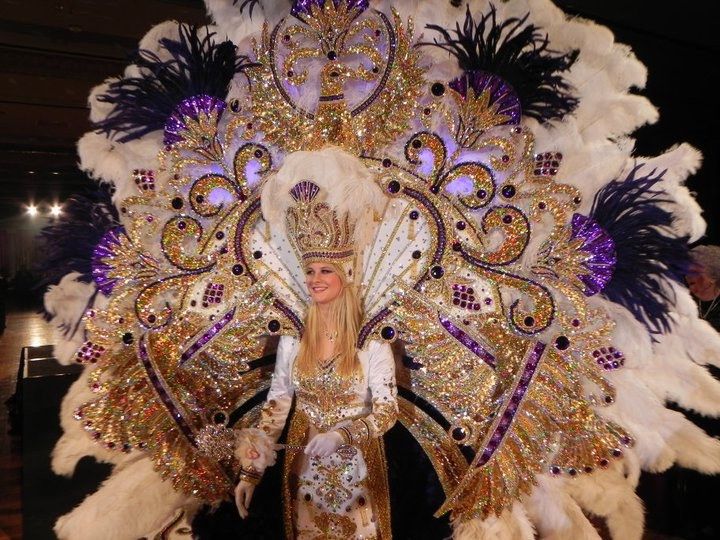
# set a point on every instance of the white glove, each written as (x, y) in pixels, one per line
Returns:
(324, 444)
(243, 494)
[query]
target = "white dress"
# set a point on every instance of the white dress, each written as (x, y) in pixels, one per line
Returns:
(344, 495)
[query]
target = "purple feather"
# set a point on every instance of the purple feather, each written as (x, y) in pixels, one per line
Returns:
(69, 241)
(518, 53)
(198, 66)
(649, 254)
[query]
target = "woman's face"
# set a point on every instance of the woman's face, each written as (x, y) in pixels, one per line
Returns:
(323, 282)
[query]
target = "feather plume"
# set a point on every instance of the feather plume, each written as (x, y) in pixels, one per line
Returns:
(70, 240)
(133, 490)
(197, 66)
(516, 51)
(650, 256)
(250, 4)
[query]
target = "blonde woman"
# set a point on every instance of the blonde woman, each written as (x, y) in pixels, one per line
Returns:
(335, 479)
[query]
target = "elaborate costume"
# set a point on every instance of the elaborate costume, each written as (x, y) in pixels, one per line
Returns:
(525, 269)
(343, 495)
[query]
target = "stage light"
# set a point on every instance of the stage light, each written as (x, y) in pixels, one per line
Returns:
(55, 210)
(32, 210)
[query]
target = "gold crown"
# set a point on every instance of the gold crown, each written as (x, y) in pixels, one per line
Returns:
(317, 231)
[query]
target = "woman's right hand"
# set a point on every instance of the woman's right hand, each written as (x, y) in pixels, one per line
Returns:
(243, 494)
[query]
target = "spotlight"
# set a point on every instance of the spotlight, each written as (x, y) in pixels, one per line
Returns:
(32, 210)
(55, 210)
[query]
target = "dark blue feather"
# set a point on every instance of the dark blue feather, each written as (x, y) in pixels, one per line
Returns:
(69, 241)
(650, 254)
(518, 53)
(250, 4)
(198, 66)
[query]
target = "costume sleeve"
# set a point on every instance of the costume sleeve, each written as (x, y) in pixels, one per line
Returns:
(383, 391)
(255, 446)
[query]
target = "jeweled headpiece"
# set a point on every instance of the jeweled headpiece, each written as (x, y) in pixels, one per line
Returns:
(317, 231)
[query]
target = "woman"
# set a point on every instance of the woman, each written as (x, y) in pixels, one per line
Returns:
(335, 480)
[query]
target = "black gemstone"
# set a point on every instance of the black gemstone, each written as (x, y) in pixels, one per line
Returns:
(460, 225)
(414, 214)
(237, 269)
(258, 153)
(151, 318)
(416, 254)
(200, 199)
(437, 272)
(235, 105)
(529, 321)
(437, 89)
(417, 143)
(386, 162)
(481, 194)
(508, 191)
(435, 189)
(257, 254)
(219, 235)
(393, 186)
(219, 417)
(332, 55)
(127, 338)
(274, 326)
(458, 434)
(507, 218)
(562, 343)
(457, 246)
(177, 203)
(388, 333)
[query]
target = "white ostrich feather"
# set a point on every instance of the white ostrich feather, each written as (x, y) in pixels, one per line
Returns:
(133, 489)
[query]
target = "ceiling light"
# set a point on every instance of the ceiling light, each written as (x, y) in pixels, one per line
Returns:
(55, 210)
(32, 210)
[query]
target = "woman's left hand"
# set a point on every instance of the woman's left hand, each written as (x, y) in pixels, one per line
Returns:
(324, 444)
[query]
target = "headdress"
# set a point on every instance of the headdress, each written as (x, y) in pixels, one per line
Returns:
(317, 231)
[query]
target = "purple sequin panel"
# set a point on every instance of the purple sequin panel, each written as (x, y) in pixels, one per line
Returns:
(103, 251)
(206, 337)
(502, 427)
(190, 108)
(301, 8)
(468, 342)
(501, 93)
(162, 393)
(601, 247)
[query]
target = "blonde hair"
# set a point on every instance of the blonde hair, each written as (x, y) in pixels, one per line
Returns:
(345, 316)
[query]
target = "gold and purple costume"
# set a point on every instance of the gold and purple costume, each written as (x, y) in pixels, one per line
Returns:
(344, 495)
